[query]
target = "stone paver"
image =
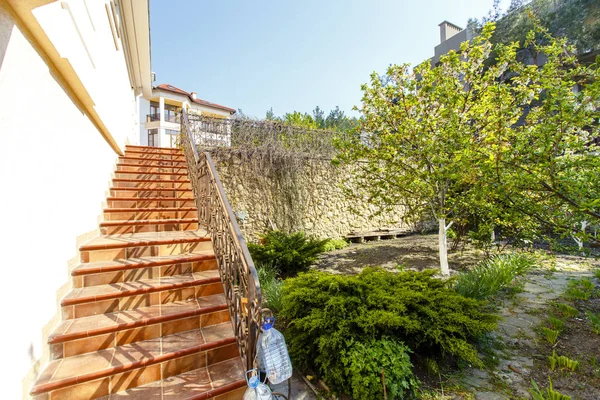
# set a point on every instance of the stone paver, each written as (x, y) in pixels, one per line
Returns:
(517, 331)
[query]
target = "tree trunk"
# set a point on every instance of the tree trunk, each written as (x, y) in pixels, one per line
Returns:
(443, 247)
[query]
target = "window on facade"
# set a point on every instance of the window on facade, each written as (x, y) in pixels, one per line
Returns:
(154, 112)
(171, 113)
(153, 137)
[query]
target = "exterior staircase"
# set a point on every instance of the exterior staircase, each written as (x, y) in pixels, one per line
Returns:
(147, 317)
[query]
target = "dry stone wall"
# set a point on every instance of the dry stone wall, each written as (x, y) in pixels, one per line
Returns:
(308, 197)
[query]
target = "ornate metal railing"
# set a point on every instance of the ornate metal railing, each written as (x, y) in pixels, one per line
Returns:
(238, 274)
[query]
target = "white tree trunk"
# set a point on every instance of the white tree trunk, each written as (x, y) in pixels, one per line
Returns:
(443, 247)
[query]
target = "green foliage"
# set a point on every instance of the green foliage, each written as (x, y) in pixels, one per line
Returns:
(327, 313)
(336, 120)
(566, 310)
(289, 253)
(580, 289)
(271, 287)
(368, 362)
(556, 323)
(489, 277)
(594, 321)
(597, 273)
(548, 394)
(563, 362)
(335, 244)
(551, 335)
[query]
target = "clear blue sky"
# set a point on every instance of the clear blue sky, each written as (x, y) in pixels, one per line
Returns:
(291, 54)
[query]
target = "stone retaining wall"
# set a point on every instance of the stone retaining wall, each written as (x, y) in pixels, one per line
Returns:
(309, 198)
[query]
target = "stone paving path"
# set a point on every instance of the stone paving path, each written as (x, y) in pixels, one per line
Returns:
(520, 316)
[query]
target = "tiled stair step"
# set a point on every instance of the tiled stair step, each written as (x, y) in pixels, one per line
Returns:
(151, 149)
(124, 214)
(170, 355)
(146, 244)
(151, 183)
(140, 319)
(145, 152)
(105, 272)
(157, 176)
(157, 192)
(127, 167)
(150, 225)
(143, 202)
(199, 284)
(125, 335)
(158, 162)
(221, 381)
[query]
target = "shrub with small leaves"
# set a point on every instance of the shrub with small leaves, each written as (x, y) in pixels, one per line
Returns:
(335, 244)
(327, 313)
(289, 253)
(371, 362)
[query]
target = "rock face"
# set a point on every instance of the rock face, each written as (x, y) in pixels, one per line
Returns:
(313, 196)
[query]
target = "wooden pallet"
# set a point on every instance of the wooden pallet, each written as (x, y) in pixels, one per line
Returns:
(380, 234)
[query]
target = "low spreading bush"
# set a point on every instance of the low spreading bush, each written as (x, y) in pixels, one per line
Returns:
(371, 362)
(271, 287)
(289, 253)
(328, 313)
(335, 244)
(489, 277)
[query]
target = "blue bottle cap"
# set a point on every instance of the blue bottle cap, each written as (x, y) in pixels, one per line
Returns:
(253, 382)
(269, 322)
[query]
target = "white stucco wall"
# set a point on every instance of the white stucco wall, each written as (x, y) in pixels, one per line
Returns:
(55, 167)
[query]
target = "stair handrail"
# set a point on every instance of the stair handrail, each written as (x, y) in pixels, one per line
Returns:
(237, 270)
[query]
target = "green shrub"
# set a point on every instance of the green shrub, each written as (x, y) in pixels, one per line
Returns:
(594, 322)
(271, 287)
(335, 244)
(597, 273)
(489, 277)
(289, 253)
(566, 310)
(548, 394)
(365, 362)
(327, 313)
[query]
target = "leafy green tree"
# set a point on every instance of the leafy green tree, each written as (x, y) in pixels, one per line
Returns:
(422, 140)
(548, 165)
(319, 116)
(270, 115)
(300, 119)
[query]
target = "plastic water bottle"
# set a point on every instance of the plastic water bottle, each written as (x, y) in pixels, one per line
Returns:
(256, 389)
(272, 353)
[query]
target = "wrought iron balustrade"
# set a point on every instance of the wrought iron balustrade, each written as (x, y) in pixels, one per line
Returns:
(238, 274)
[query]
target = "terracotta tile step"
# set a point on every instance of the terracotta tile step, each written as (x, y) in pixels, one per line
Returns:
(204, 383)
(151, 184)
(157, 162)
(146, 244)
(149, 151)
(105, 272)
(118, 321)
(142, 286)
(153, 192)
(175, 354)
(151, 225)
(149, 213)
(149, 222)
(142, 202)
(155, 176)
(152, 149)
(127, 167)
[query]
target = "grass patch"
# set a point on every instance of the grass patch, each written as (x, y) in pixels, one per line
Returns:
(335, 244)
(493, 275)
(271, 287)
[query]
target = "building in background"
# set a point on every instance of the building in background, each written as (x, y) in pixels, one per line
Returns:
(159, 114)
(451, 36)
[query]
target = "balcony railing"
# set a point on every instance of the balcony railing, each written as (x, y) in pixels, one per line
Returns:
(238, 274)
(172, 118)
(152, 117)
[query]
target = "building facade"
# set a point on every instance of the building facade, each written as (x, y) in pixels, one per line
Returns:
(159, 114)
